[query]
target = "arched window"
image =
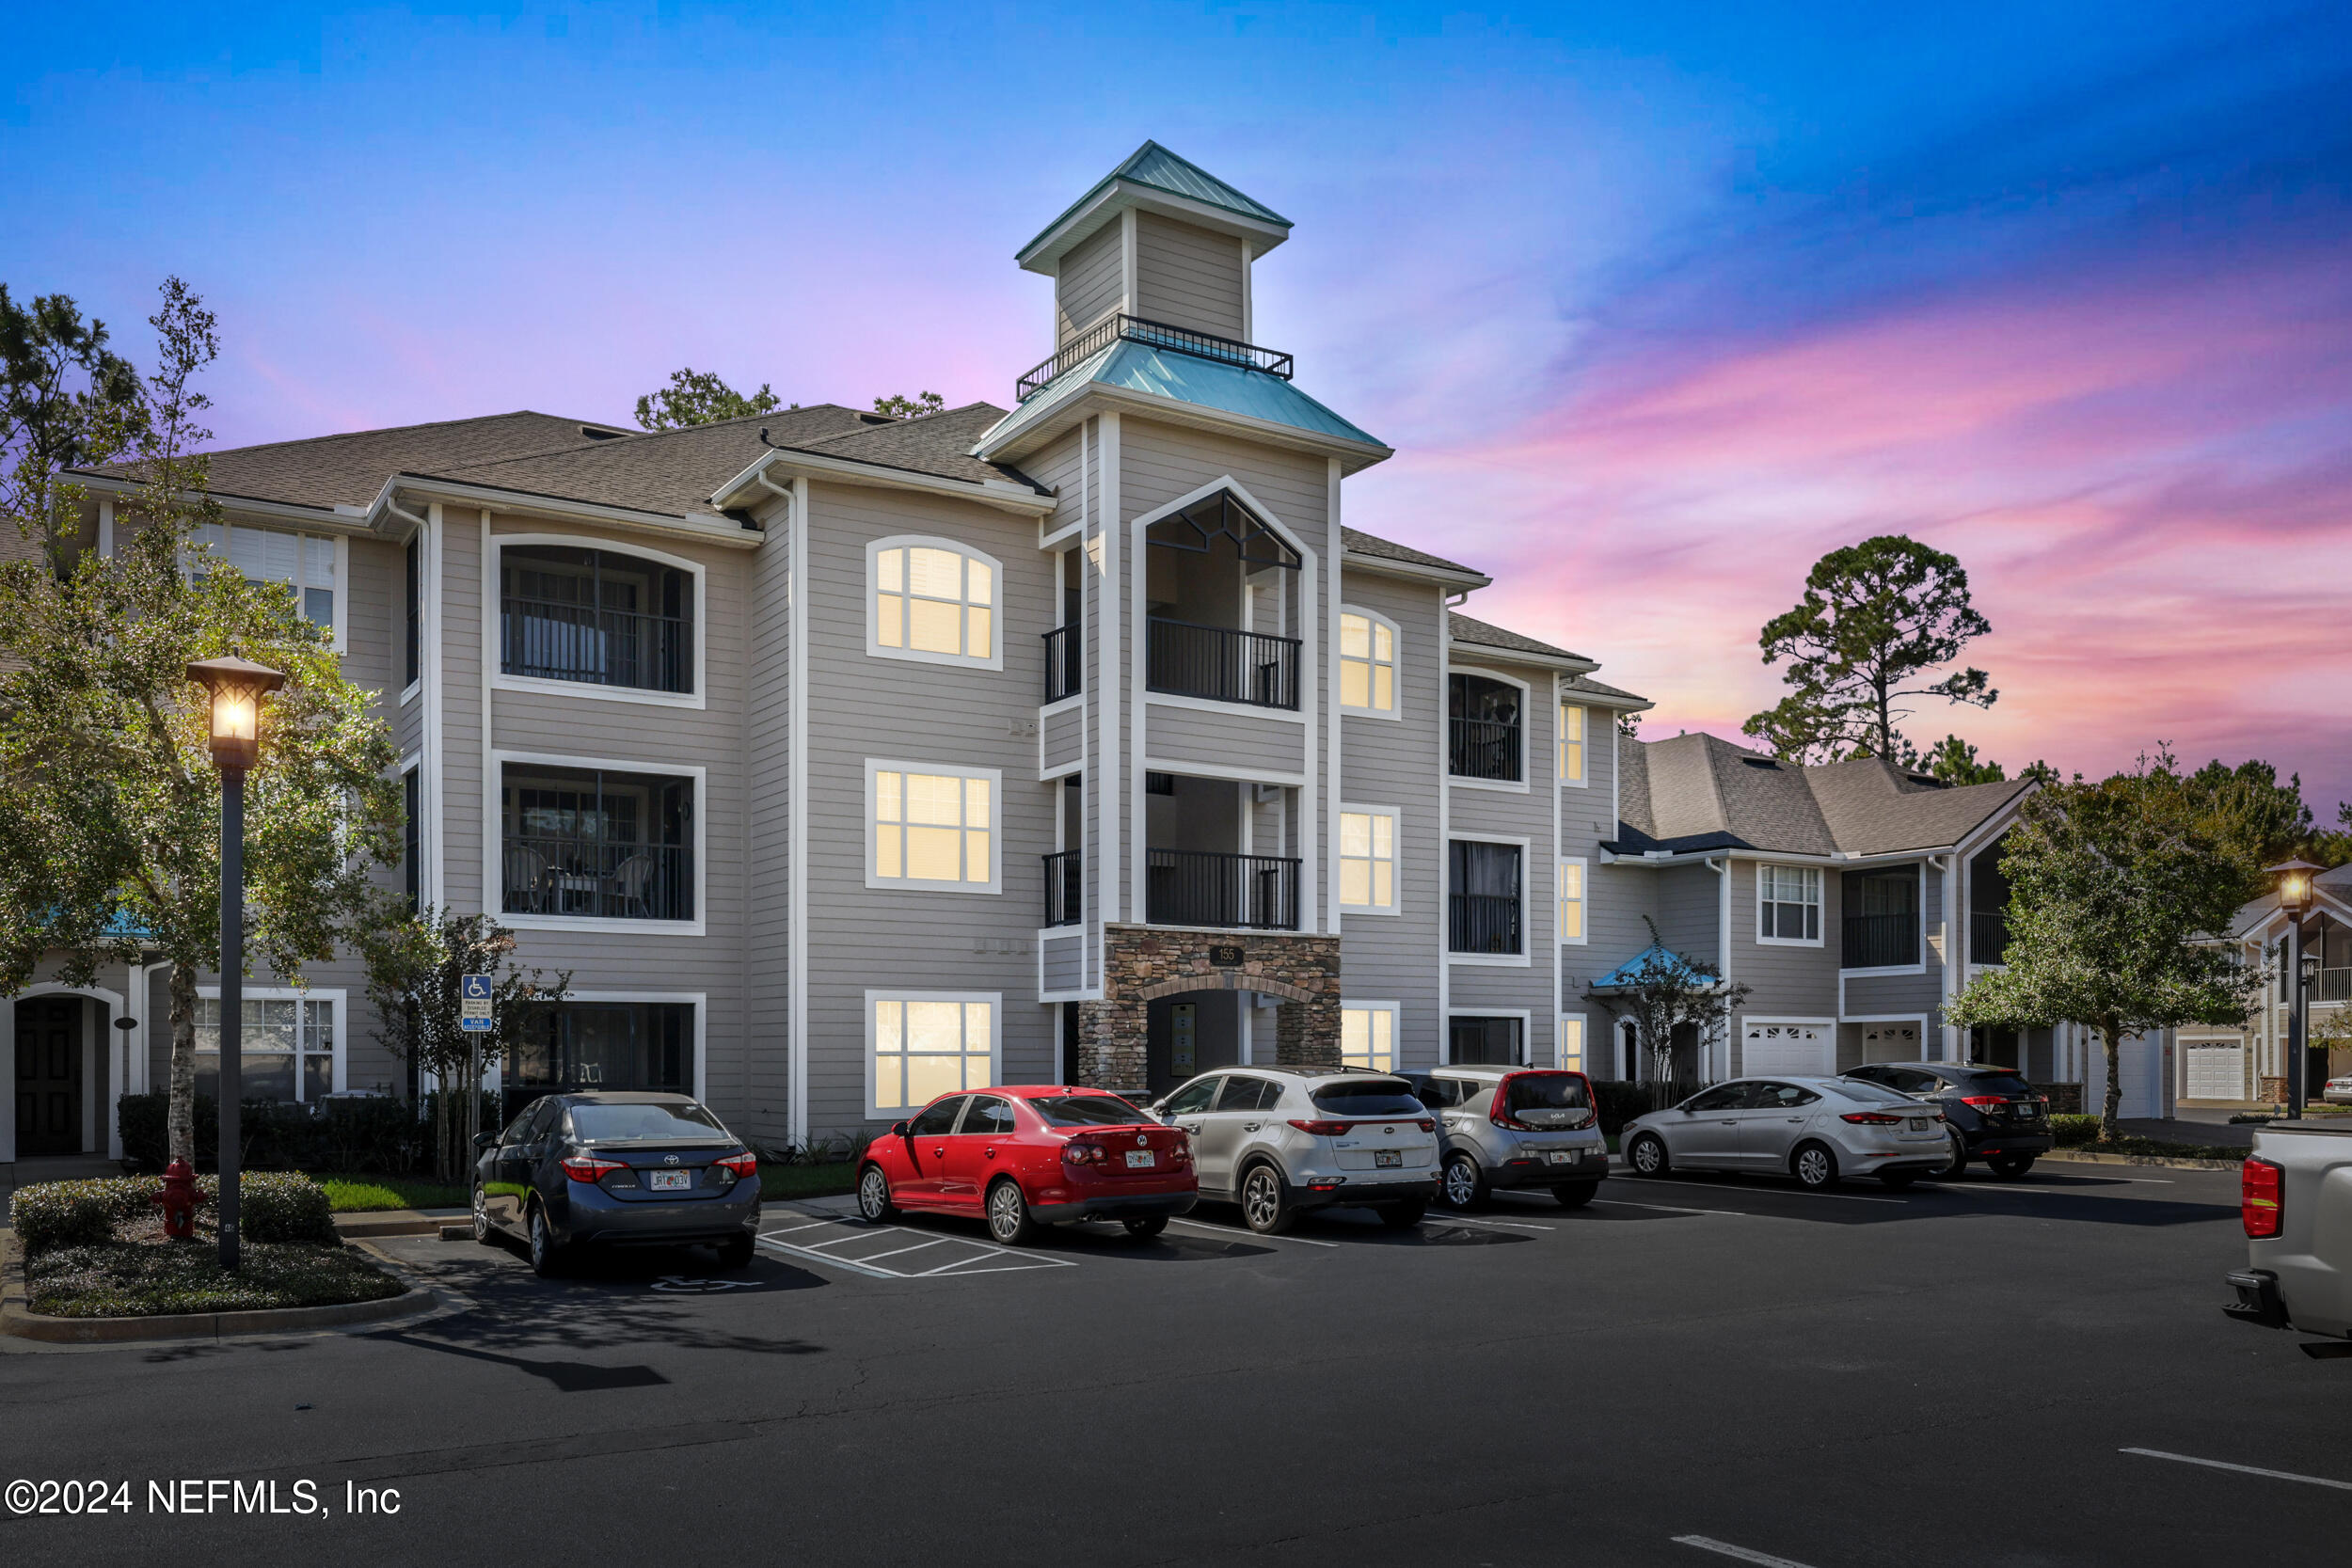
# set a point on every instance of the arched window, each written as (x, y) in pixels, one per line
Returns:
(932, 600)
(1367, 663)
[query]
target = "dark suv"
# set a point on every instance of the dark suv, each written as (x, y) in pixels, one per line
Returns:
(1990, 1112)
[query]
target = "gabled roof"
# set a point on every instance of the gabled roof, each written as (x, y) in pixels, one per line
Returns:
(1183, 382)
(1655, 959)
(1697, 793)
(348, 469)
(1153, 170)
(1357, 541)
(1480, 634)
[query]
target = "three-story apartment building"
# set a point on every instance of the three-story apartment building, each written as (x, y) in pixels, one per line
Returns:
(844, 760)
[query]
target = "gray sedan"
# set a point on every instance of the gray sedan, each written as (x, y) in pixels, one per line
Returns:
(1814, 1129)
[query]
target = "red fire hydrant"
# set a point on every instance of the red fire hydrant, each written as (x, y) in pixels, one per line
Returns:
(179, 1198)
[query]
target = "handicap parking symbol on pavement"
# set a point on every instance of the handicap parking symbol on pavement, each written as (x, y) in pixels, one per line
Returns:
(683, 1285)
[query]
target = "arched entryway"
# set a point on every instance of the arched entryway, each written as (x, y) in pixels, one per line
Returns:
(59, 1072)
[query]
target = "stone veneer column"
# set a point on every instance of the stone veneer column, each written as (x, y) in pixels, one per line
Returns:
(1143, 963)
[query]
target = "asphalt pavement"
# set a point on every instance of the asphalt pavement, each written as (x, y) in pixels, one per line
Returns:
(1693, 1370)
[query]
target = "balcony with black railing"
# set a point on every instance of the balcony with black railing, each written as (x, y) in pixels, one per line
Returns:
(1482, 749)
(1881, 940)
(1204, 887)
(598, 877)
(1135, 329)
(1987, 936)
(1065, 888)
(1485, 923)
(551, 639)
(1221, 665)
(1065, 663)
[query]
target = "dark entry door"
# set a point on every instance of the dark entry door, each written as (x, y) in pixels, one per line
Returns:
(49, 1075)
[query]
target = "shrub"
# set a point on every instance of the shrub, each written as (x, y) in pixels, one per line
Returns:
(78, 1214)
(366, 1132)
(283, 1205)
(2073, 1131)
(1620, 1101)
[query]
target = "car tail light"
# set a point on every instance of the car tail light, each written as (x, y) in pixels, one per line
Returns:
(1427, 1124)
(743, 1165)
(1871, 1118)
(1500, 1113)
(1323, 1128)
(1984, 1101)
(2262, 1194)
(587, 1167)
(1180, 1152)
(1079, 1152)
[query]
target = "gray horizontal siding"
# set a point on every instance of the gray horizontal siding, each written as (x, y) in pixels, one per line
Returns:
(1187, 277)
(1089, 283)
(1238, 739)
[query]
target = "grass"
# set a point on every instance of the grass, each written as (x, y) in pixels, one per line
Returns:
(2159, 1149)
(368, 1194)
(143, 1278)
(826, 1181)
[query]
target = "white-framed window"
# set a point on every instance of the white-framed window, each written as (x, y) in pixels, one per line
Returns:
(1368, 1035)
(291, 1046)
(921, 1044)
(932, 827)
(1572, 1041)
(1367, 663)
(1368, 859)
(581, 616)
(1788, 904)
(932, 600)
(1571, 874)
(1573, 717)
(303, 561)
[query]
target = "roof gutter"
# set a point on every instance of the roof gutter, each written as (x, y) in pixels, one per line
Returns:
(716, 530)
(1465, 581)
(1779, 857)
(1008, 497)
(308, 516)
(1568, 663)
(1170, 411)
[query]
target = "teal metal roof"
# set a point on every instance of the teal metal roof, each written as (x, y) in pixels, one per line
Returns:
(1137, 367)
(1155, 166)
(1656, 959)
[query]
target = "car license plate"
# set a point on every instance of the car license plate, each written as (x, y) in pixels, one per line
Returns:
(1385, 1159)
(1563, 1156)
(1141, 1159)
(669, 1180)
(1917, 1124)
(2028, 1110)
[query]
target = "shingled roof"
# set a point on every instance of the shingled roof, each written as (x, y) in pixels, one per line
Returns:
(1355, 541)
(1697, 793)
(1465, 630)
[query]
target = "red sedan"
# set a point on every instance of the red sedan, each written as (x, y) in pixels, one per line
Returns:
(1031, 1155)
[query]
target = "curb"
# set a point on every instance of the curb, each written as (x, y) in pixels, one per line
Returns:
(396, 1222)
(2073, 1157)
(21, 1321)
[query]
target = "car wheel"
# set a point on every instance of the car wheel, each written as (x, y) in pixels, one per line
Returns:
(873, 1196)
(1576, 1195)
(546, 1253)
(1009, 1220)
(1956, 1165)
(1648, 1155)
(1144, 1229)
(1264, 1207)
(1465, 1185)
(736, 1253)
(484, 1231)
(2007, 1166)
(1403, 1217)
(1814, 1165)
(1899, 1179)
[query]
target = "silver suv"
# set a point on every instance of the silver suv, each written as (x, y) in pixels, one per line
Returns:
(1282, 1140)
(1513, 1127)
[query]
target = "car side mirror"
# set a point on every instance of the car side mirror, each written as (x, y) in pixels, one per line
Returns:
(898, 1129)
(1684, 1109)
(485, 1140)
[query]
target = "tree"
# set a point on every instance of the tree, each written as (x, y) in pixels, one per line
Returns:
(1875, 617)
(66, 400)
(1629, 723)
(2111, 886)
(1662, 990)
(2249, 812)
(699, 397)
(1953, 761)
(109, 802)
(910, 408)
(415, 973)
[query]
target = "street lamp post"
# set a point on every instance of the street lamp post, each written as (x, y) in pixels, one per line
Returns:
(2295, 902)
(236, 687)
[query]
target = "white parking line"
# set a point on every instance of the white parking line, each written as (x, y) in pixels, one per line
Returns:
(2241, 1469)
(877, 1256)
(1670, 1209)
(793, 1229)
(1793, 1192)
(1237, 1230)
(984, 1252)
(1725, 1548)
(773, 1243)
(1514, 1225)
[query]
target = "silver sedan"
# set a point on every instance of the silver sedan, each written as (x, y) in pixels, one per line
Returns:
(1814, 1129)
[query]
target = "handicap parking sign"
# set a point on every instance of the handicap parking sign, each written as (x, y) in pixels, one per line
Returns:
(473, 1004)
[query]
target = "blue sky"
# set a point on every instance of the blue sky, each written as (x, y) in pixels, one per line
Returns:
(1656, 303)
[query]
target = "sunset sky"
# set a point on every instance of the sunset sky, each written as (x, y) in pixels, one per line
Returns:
(1656, 301)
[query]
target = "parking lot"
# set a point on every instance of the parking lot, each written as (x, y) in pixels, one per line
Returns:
(1692, 1369)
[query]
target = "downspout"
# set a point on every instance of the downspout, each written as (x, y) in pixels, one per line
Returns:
(429, 889)
(795, 765)
(1445, 824)
(1721, 867)
(1952, 954)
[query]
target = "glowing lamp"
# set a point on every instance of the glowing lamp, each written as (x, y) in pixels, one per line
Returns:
(236, 687)
(2294, 885)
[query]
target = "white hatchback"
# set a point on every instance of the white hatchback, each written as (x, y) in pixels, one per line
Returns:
(1814, 1129)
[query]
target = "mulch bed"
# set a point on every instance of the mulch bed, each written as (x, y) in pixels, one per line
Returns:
(142, 1273)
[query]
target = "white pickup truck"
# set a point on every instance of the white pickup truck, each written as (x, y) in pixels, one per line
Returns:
(2295, 1199)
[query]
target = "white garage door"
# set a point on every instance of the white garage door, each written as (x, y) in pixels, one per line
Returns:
(1796, 1050)
(2216, 1069)
(2142, 1057)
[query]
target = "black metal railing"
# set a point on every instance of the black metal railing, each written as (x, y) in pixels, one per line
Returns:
(598, 878)
(1177, 340)
(1065, 663)
(1881, 940)
(1203, 887)
(1987, 936)
(1221, 664)
(1483, 923)
(561, 641)
(2335, 985)
(1065, 888)
(1482, 749)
